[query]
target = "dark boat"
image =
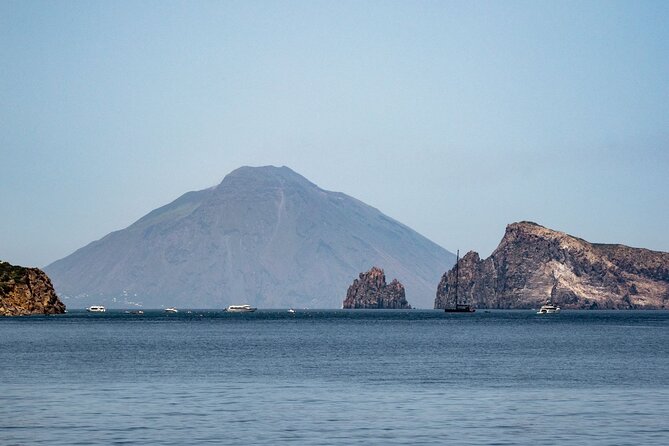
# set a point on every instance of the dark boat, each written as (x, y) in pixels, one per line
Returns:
(458, 308)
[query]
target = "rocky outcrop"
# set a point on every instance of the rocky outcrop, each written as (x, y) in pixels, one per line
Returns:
(371, 291)
(533, 264)
(25, 291)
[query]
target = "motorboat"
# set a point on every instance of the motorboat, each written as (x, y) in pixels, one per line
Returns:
(171, 310)
(240, 309)
(291, 311)
(96, 309)
(548, 309)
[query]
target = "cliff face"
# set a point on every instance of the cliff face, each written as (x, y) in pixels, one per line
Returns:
(533, 264)
(25, 291)
(371, 291)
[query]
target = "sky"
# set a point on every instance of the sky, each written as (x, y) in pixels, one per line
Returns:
(455, 118)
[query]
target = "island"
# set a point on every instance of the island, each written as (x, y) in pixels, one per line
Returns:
(370, 291)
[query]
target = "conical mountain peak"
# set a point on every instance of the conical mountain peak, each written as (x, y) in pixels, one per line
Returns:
(265, 236)
(264, 176)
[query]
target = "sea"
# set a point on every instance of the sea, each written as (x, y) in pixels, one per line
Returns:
(335, 377)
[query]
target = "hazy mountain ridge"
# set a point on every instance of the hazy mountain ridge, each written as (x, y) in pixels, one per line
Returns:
(533, 264)
(264, 235)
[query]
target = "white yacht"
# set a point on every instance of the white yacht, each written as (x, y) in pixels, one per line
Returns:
(548, 308)
(171, 310)
(96, 309)
(240, 309)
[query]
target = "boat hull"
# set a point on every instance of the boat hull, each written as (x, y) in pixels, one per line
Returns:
(549, 309)
(460, 309)
(96, 309)
(240, 309)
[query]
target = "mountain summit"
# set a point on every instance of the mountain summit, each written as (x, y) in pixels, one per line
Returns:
(265, 236)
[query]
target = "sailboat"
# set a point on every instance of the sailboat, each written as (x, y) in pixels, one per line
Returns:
(459, 308)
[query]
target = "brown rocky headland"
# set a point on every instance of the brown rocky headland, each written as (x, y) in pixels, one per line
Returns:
(371, 291)
(533, 264)
(26, 291)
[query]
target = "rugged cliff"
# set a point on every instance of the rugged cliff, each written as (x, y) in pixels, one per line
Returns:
(371, 291)
(25, 291)
(533, 264)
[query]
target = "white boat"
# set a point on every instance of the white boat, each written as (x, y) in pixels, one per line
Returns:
(291, 311)
(548, 308)
(96, 309)
(171, 310)
(240, 309)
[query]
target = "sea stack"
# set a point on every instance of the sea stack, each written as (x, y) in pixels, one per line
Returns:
(26, 291)
(533, 264)
(371, 291)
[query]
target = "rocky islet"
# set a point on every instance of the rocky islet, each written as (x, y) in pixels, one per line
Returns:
(370, 291)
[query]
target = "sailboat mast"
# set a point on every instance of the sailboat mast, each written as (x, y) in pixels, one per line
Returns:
(457, 271)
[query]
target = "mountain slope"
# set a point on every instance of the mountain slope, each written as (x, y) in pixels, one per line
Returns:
(265, 236)
(533, 264)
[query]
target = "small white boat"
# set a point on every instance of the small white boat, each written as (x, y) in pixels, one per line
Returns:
(171, 310)
(240, 309)
(96, 309)
(291, 311)
(548, 309)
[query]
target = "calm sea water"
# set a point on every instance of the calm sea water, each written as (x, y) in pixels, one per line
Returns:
(335, 378)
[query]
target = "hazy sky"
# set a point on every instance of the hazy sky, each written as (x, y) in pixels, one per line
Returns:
(455, 118)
